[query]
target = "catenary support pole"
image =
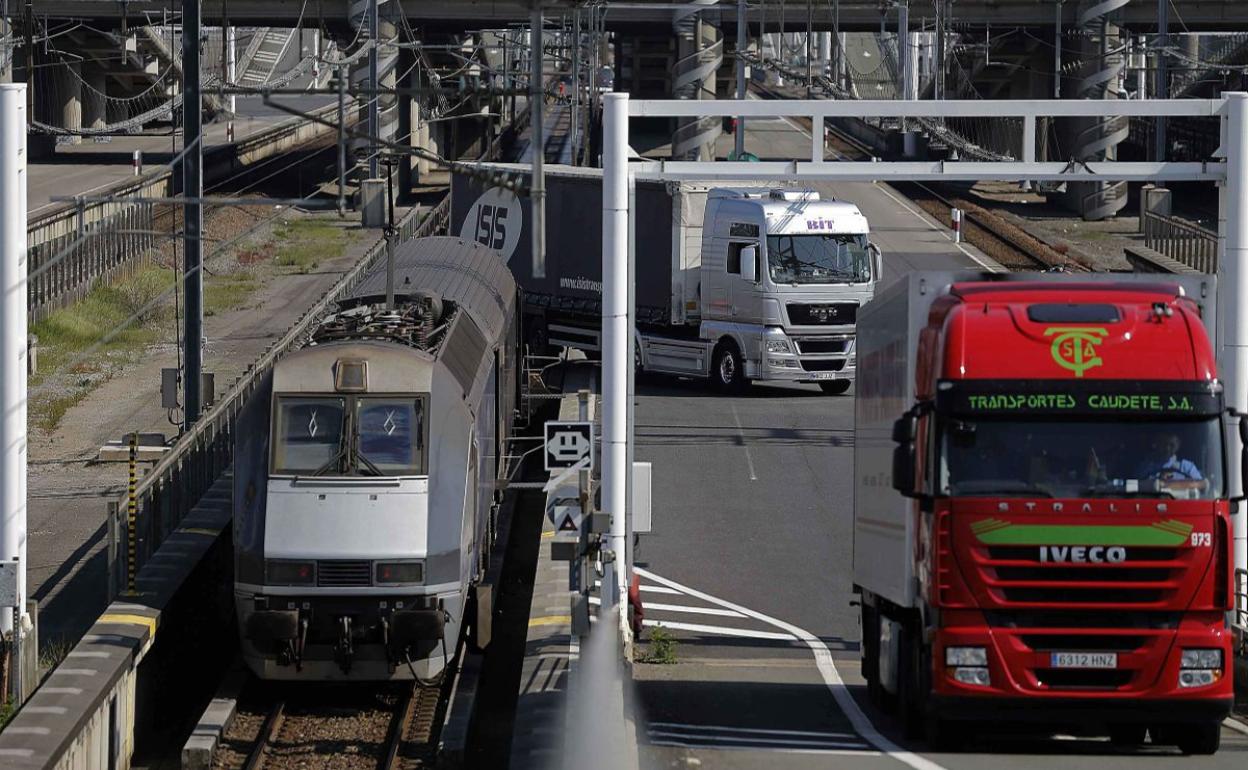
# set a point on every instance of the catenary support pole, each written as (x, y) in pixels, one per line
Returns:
(374, 101)
(13, 340)
(1233, 283)
(231, 66)
(193, 214)
(615, 331)
(537, 99)
(1163, 76)
(739, 135)
(1057, 50)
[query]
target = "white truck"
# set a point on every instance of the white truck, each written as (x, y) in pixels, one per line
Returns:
(732, 283)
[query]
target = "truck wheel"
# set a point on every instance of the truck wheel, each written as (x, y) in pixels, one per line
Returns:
(1203, 738)
(727, 368)
(835, 387)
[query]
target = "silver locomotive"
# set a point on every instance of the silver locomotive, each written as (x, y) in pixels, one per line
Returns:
(365, 493)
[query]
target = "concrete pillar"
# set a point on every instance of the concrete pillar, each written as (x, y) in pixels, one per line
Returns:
(94, 105)
(69, 98)
(387, 61)
(1095, 51)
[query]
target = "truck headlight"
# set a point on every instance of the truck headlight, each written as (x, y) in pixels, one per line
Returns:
(1201, 659)
(966, 656)
(399, 572)
(976, 675)
(286, 572)
(778, 345)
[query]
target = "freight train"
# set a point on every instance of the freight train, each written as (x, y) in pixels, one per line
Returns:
(365, 490)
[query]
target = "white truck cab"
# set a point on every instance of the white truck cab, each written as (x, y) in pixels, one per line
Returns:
(780, 274)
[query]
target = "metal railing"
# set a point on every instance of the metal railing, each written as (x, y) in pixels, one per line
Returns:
(110, 236)
(1181, 240)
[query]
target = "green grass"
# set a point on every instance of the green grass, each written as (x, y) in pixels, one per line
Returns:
(228, 292)
(662, 648)
(6, 713)
(68, 338)
(121, 305)
(304, 244)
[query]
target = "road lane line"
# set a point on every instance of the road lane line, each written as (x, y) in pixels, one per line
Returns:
(682, 608)
(720, 630)
(993, 267)
(740, 430)
(667, 726)
(827, 670)
(693, 610)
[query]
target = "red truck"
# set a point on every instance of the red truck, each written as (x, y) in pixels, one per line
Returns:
(1042, 522)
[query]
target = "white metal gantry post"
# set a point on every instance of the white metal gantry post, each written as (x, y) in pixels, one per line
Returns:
(617, 338)
(13, 336)
(1233, 284)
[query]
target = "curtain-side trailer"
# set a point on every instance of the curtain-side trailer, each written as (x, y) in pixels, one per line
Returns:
(732, 283)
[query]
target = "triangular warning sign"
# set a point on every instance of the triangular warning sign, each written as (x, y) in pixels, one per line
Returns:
(568, 525)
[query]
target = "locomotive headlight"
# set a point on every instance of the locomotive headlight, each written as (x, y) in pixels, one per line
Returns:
(285, 572)
(399, 572)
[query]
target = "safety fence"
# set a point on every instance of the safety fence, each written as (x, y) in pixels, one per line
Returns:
(1182, 240)
(74, 245)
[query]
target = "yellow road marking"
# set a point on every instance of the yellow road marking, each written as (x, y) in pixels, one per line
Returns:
(129, 620)
(551, 620)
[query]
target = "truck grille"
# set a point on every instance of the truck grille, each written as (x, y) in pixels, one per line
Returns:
(832, 314)
(807, 347)
(1108, 642)
(1014, 576)
(344, 574)
(823, 364)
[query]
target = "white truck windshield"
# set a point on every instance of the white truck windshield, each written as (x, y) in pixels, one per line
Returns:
(355, 436)
(1080, 459)
(818, 258)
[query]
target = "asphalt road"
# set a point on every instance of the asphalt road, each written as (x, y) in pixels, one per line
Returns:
(749, 567)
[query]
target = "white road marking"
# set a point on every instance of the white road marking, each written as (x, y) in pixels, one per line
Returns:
(749, 459)
(827, 670)
(693, 610)
(659, 590)
(1235, 725)
(989, 266)
(760, 730)
(720, 630)
(681, 608)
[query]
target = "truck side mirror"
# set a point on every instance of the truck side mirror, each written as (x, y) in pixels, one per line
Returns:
(1242, 417)
(749, 263)
(877, 261)
(905, 432)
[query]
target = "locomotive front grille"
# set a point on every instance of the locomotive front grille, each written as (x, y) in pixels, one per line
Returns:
(344, 574)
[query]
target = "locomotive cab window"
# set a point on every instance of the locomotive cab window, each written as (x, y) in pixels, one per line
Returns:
(390, 434)
(353, 436)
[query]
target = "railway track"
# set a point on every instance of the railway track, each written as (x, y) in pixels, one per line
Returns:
(1005, 242)
(353, 728)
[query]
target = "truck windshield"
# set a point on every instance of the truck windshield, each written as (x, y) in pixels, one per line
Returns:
(1074, 459)
(355, 436)
(818, 258)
